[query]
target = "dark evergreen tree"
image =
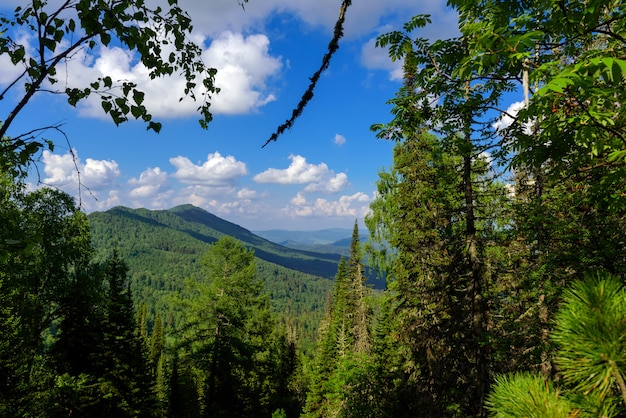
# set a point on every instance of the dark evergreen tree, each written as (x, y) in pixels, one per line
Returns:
(127, 374)
(229, 354)
(80, 333)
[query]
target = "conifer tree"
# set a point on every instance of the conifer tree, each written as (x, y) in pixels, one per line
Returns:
(341, 358)
(327, 350)
(125, 364)
(228, 351)
(157, 341)
(361, 314)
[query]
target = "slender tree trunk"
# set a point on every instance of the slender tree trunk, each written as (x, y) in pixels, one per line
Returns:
(479, 317)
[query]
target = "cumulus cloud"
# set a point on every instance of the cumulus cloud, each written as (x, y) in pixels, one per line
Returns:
(362, 17)
(340, 139)
(8, 71)
(150, 183)
(332, 184)
(318, 177)
(507, 118)
(244, 66)
(247, 194)
(216, 171)
(356, 205)
(63, 171)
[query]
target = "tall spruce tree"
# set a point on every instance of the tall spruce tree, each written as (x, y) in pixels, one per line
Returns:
(102, 362)
(125, 362)
(440, 207)
(342, 355)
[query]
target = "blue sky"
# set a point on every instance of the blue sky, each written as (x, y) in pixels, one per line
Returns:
(321, 174)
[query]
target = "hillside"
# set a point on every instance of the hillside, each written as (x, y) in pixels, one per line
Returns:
(164, 247)
(192, 225)
(328, 241)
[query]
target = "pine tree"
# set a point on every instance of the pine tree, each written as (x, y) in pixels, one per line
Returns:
(589, 337)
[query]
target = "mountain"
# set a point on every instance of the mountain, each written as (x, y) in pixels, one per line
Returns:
(192, 224)
(321, 237)
(327, 241)
(162, 248)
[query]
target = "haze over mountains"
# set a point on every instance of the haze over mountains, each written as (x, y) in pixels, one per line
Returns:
(333, 240)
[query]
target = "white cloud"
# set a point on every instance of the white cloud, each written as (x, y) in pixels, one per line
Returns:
(340, 139)
(507, 118)
(99, 174)
(332, 184)
(318, 177)
(10, 72)
(63, 172)
(216, 171)
(151, 182)
(361, 17)
(244, 65)
(355, 206)
(247, 194)
(375, 58)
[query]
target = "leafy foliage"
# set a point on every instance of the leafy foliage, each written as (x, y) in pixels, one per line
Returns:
(159, 36)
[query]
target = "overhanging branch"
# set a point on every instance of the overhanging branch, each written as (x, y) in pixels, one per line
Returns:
(333, 46)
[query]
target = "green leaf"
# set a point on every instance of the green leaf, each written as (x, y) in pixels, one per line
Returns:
(106, 106)
(105, 38)
(138, 96)
(18, 54)
(49, 43)
(155, 126)
(137, 111)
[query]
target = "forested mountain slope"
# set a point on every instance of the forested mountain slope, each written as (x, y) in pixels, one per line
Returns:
(178, 228)
(162, 248)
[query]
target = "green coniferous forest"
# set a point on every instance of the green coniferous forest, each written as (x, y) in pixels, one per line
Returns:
(502, 246)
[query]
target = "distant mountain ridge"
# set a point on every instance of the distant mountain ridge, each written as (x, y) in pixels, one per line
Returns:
(324, 236)
(194, 223)
(328, 241)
